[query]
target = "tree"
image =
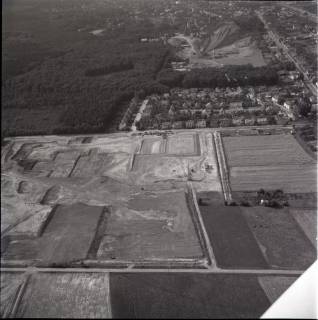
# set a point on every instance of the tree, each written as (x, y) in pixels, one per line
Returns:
(304, 106)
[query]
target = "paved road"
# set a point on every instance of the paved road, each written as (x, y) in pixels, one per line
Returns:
(168, 270)
(275, 37)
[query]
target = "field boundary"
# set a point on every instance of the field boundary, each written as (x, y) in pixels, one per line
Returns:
(224, 174)
(199, 225)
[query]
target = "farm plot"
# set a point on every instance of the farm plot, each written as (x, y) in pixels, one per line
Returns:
(275, 286)
(269, 162)
(70, 233)
(152, 226)
(66, 295)
(264, 151)
(283, 243)
(290, 178)
(183, 144)
(11, 283)
(233, 243)
(307, 220)
(185, 295)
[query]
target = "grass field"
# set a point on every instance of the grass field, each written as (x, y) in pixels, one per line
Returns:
(283, 242)
(233, 243)
(183, 295)
(269, 162)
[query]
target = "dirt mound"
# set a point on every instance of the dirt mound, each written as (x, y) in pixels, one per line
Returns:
(218, 37)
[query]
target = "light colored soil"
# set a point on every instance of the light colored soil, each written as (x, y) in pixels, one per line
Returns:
(148, 169)
(154, 226)
(102, 176)
(183, 144)
(152, 146)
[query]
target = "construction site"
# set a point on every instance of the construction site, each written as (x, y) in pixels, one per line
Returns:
(97, 215)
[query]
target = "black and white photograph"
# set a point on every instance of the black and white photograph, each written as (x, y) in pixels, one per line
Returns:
(159, 159)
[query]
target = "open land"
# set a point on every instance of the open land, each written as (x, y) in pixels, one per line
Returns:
(123, 198)
(128, 205)
(162, 223)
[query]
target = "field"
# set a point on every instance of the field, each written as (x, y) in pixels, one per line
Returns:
(265, 150)
(269, 162)
(139, 295)
(284, 244)
(182, 145)
(307, 220)
(183, 295)
(154, 226)
(149, 169)
(185, 144)
(66, 295)
(233, 243)
(275, 286)
(153, 146)
(10, 285)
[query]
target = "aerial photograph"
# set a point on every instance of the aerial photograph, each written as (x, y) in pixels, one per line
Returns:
(158, 158)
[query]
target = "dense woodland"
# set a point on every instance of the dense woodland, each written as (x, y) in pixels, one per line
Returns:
(79, 83)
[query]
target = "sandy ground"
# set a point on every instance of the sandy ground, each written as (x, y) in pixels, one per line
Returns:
(106, 171)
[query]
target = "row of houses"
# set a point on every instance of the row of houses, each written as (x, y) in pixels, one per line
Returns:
(217, 122)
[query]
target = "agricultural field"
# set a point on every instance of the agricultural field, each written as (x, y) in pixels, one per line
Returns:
(283, 242)
(269, 162)
(82, 295)
(182, 295)
(232, 241)
(138, 295)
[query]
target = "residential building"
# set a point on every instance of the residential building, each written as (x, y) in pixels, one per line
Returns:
(200, 124)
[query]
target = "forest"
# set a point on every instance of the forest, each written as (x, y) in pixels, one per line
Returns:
(75, 82)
